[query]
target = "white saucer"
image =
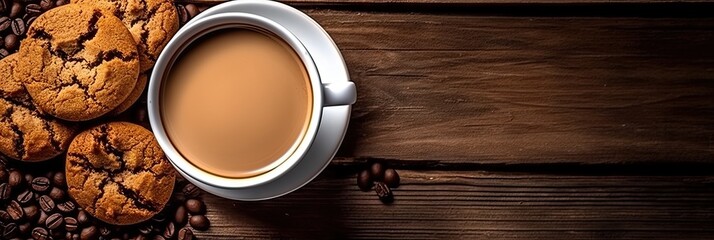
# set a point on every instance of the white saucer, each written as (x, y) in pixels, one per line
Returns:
(333, 125)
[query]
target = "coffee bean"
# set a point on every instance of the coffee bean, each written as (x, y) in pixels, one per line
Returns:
(3, 6)
(33, 9)
(182, 14)
(199, 222)
(11, 42)
(15, 178)
(46, 4)
(24, 228)
(40, 234)
(146, 229)
(391, 178)
(46, 203)
(60, 2)
(169, 230)
(88, 233)
(3, 170)
(364, 180)
(59, 180)
(15, 10)
(31, 213)
(66, 207)
(191, 191)
(5, 191)
(3, 53)
(25, 197)
(159, 218)
(82, 218)
(4, 216)
(30, 20)
(377, 171)
(4, 23)
(185, 234)
(180, 216)
(70, 224)
(383, 192)
(43, 218)
(195, 206)
(10, 231)
(57, 194)
(40, 184)
(54, 221)
(192, 10)
(18, 26)
(15, 210)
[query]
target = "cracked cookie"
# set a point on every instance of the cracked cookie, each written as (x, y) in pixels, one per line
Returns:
(151, 22)
(26, 133)
(118, 173)
(79, 62)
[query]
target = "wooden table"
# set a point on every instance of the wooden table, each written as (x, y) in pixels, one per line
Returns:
(512, 119)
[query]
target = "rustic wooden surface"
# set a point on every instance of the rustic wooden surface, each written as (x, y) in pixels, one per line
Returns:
(506, 123)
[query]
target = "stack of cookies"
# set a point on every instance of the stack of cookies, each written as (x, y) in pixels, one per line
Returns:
(80, 62)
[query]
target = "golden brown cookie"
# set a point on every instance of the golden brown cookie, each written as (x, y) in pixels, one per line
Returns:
(79, 62)
(118, 173)
(151, 22)
(133, 96)
(26, 133)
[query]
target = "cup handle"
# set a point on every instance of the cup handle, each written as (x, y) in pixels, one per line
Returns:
(339, 93)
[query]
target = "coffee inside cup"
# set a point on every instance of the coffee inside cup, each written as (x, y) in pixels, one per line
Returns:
(236, 102)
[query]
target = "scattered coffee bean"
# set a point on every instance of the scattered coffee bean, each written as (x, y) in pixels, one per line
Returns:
(159, 218)
(191, 191)
(61, 2)
(377, 171)
(40, 234)
(33, 9)
(59, 180)
(25, 197)
(105, 231)
(18, 26)
(195, 206)
(46, 4)
(43, 218)
(70, 224)
(66, 207)
(31, 213)
(28, 178)
(54, 221)
(46, 203)
(15, 210)
(5, 191)
(364, 180)
(24, 228)
(40, 184)
(15, 178)
(391, 178)
(180, 217)
(182, 14)
(169, 231)
(3, 53)
(4, 216)
(4, 23)
(185, 234)
(383, 192)
(3, 6)
(10, 231)
(30, 20)
(82, 218)
(88, 233)
(15, 10)
(57, 194)
(192, 10)
(199, 222)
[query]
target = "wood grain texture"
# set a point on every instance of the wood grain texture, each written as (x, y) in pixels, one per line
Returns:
(475, 205)
(460, 88)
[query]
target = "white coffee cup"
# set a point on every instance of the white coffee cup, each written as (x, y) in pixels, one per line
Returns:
(323, 95)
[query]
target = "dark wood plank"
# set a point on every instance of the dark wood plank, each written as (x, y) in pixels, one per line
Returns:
(463, 89)
(473, 205)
